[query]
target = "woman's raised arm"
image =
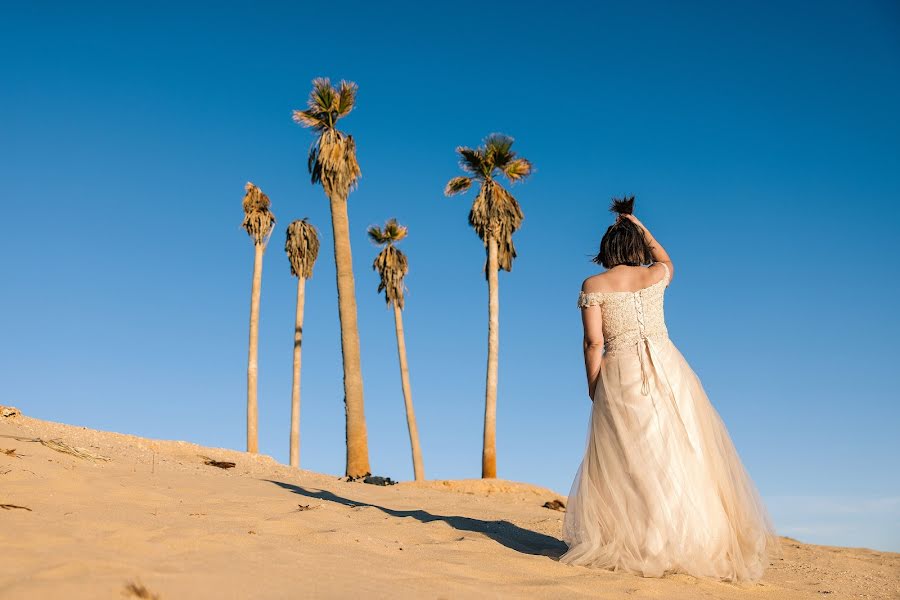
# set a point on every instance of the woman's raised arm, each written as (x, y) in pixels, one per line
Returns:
(658, 253)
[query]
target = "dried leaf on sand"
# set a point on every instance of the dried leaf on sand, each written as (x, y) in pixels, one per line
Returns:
(139, 590)
(222, 464)
(555, 505)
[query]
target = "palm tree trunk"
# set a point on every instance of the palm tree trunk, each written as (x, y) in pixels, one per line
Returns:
(357, 439)
(489, 453)
(295, 390)
(252, 366)
(418, 469)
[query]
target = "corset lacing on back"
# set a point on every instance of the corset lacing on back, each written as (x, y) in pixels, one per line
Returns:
(631, 319)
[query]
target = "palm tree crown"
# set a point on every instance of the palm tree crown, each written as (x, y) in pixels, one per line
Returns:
(258, 219)
(390, 263)
(332, 157)
(495, 213)
(302, 247)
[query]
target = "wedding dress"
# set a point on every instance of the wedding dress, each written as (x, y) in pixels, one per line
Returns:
(661, 488)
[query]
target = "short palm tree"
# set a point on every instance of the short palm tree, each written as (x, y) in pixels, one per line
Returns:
(258, 223)
(332, 163)
(392, 267)
(302, 247)
(495, 216)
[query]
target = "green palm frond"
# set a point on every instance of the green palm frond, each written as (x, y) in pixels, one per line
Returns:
(311, 119)
(346, 98)
(391, 232)
(498, 150)
(323, 98)
(302, 247)
(473, 161)
(394, 231)
(326, 104)
(457, 185)
(517, 169)
(258, 218)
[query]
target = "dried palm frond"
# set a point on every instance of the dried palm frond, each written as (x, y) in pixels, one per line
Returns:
(60, 446)
(332, 162)
(302, 248)
(391, 264)
(517, 169)
(457, 185)
(258, 218)
(495, 213)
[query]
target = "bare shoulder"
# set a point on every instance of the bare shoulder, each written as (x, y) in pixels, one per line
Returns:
(594, 284)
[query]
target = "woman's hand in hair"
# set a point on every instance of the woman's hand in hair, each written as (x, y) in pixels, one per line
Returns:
(633, 219)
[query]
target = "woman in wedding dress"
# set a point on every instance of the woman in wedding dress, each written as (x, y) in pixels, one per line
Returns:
(661, 488)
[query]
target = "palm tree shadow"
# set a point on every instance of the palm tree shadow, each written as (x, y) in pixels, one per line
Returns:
(503, 532)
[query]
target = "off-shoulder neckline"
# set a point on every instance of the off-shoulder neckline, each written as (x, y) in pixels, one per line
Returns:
(664, 279)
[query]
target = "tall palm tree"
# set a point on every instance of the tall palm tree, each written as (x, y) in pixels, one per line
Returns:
(392, 266)
(258, 223)
(302, 247)
(495, 216)
(332, 163)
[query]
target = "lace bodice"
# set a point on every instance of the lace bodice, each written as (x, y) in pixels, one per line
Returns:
(629, 317)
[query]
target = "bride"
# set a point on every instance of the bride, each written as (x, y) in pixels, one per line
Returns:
(661, 488)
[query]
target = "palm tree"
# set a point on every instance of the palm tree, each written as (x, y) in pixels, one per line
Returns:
(495, 216)
(258, 223)
(332, 163)
(392, 266)
(302, 247)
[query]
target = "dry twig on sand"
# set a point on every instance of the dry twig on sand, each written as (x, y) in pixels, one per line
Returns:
(12, 506)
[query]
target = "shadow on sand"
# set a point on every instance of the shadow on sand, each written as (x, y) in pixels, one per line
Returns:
(503, 532)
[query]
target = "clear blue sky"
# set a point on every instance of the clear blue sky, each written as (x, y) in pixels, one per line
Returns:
(762, 141)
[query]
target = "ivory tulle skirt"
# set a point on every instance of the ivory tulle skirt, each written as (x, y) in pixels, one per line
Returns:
(661, 488)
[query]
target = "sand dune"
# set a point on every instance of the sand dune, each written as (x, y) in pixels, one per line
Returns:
(156, 521)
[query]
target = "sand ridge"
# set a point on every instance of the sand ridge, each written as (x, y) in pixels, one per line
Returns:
(156, 516)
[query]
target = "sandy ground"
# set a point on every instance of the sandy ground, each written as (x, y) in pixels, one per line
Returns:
(154, 521)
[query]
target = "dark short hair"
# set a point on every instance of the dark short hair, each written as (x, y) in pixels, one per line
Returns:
(624, 242)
